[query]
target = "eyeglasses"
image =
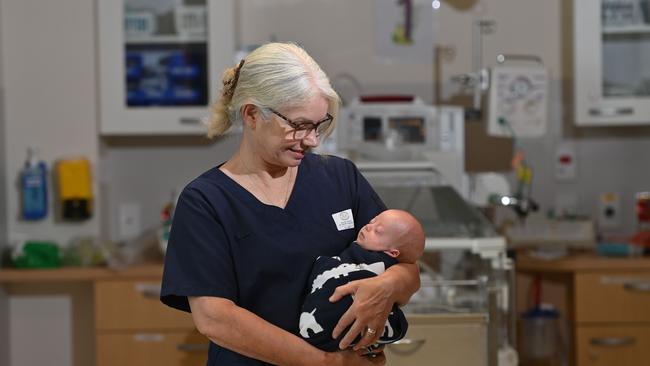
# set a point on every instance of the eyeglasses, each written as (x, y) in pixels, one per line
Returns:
(303, 129)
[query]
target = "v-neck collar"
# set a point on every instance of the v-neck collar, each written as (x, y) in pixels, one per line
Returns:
(246, 194)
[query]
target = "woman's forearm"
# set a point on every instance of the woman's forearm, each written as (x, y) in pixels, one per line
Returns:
(241, 331)
(405, 278)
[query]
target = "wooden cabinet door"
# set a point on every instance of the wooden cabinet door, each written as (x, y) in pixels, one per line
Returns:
(159, 349)
(442, 343)
(613, 345)
(135, 305)
(612, 297)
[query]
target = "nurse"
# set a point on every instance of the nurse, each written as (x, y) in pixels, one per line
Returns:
(246, 232)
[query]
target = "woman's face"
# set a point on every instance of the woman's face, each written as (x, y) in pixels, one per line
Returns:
(276, 136)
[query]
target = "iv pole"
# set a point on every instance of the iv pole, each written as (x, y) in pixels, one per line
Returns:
(478, 80)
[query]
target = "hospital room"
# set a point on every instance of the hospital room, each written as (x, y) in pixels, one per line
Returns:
(325, 182)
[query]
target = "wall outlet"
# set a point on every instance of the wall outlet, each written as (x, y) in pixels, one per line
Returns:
(566, 205)
(129, 220)
(609, 210)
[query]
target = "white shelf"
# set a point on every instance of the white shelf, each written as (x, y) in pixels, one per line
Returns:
(485, 247)
(165, 39)
(627, 29)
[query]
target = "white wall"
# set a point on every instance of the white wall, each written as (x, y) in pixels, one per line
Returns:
(148, 171)
(50, 98)
(4, 299)
(48, 69)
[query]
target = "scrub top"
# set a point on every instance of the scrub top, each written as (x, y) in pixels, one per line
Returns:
(224, 242)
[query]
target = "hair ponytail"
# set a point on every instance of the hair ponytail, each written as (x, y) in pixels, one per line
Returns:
(220, 120)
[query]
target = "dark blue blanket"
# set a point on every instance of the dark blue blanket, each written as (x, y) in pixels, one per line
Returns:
(319, 316)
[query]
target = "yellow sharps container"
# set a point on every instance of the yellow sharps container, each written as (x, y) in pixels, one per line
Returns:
(75, 188)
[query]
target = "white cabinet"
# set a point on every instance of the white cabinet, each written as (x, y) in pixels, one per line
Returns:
(160, 63)
(441, 340)
(611, 62)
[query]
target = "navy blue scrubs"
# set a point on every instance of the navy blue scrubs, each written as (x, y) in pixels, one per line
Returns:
(224, 242)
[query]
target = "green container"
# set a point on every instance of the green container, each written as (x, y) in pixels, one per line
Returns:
(38, 254)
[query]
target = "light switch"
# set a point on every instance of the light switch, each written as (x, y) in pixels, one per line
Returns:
(129, 220)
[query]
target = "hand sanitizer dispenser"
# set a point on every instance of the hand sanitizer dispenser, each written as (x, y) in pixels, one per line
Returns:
(33, 186)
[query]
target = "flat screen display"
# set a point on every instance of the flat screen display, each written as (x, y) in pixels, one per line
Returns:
(372, 129)
(411, 129)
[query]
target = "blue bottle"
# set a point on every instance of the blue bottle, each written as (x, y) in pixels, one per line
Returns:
(33, 184)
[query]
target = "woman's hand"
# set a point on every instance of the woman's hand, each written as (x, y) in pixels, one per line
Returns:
(373, 300)
(357, 358)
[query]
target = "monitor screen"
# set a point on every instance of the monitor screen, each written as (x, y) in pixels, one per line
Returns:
(411, 129)
(372, 129)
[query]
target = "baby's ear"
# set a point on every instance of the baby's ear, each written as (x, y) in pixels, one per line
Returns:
(392, 252)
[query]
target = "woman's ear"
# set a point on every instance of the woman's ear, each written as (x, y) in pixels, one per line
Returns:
(250, 115)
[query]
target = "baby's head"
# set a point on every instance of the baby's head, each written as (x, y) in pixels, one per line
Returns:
(396, 233)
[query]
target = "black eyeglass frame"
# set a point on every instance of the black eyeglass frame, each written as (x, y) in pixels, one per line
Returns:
(302, 126)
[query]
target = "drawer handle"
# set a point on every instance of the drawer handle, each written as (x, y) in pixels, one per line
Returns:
(193, 347)
(637, 286)
(189, 121)
(148, 290)
(149, 337)
(415, 344)
(611, 111)
(613, 341)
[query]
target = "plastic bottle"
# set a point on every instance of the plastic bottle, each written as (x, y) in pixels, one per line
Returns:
(33, 185)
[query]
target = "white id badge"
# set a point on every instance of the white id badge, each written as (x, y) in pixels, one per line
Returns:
(344, 220)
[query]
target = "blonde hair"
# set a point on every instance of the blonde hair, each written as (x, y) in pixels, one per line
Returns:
(275, 75)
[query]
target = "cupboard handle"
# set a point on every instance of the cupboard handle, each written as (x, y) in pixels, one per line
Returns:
(613, 341)
(193, 347)
(414, 343)
(611, 111)
(189, 121)
(148, 337)
(637, 286)
(148, 290)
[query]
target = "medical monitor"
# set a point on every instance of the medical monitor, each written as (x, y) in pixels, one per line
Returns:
(397, 130)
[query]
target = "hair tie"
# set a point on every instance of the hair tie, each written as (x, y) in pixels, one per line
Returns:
(232, 83)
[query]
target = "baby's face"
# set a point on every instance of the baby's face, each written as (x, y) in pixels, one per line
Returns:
(377, 235)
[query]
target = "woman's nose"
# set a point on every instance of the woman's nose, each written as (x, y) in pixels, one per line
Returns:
(311, 139)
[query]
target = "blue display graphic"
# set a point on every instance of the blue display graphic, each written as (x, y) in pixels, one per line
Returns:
(166, 75)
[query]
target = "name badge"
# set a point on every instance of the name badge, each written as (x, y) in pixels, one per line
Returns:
(344, 219)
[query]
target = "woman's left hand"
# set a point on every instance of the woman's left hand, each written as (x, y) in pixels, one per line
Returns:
(373, 301)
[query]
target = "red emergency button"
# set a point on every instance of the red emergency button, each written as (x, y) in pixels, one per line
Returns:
(565, 159)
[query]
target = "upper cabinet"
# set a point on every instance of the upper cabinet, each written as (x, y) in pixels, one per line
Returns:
(160, 63)
(612, 62)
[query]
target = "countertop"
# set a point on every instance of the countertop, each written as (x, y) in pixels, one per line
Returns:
(79, 274)
(581, 263)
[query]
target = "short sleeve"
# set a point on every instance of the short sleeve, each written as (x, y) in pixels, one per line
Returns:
(367, 202)
(198, 260)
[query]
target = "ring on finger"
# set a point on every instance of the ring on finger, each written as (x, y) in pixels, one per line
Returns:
(370, 331)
